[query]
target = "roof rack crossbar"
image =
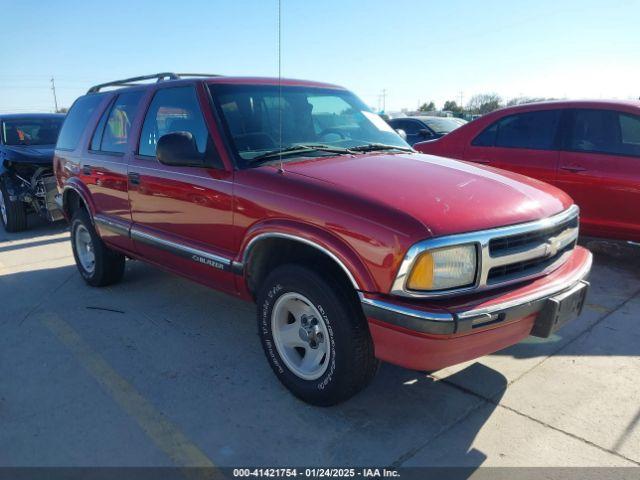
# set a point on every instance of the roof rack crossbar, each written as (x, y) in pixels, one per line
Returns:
(181, 75)
(159, 77)
(128, 82)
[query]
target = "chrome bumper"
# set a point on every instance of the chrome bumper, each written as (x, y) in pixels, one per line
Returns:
(454, 322)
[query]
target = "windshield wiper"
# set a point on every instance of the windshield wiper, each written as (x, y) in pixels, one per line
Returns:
(372, 147)
(295, 149)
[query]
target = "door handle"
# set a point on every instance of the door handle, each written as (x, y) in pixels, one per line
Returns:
(86, 169)
(482, 160)
(134, 178)
(573, 169)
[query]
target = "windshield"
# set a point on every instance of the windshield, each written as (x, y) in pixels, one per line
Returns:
(334, 119)
(443, 124)
(31, 131)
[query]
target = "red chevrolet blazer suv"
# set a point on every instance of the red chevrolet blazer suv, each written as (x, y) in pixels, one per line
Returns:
(294, 195)
(589, 149)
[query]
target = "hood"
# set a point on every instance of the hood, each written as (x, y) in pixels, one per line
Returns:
(37, 154)
(446, 196)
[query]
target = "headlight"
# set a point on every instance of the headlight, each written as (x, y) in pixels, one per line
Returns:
(444, 268)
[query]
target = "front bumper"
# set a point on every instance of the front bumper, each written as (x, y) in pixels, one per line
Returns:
(431, 336)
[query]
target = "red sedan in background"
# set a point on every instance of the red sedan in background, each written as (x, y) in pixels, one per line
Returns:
(590, 149)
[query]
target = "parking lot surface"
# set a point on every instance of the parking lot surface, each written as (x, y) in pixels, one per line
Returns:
(159, 371)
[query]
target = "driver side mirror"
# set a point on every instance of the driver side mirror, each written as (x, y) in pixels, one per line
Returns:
(178, 149)
(426, 133)
(402, 133)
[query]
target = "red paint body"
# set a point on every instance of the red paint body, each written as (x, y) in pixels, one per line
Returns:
(605, 186)
(365, 209)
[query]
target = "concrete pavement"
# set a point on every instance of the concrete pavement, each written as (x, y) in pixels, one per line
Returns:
(159, 371)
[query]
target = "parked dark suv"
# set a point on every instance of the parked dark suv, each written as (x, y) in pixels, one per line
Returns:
(27, 183)
(295, 195)
(423, 128)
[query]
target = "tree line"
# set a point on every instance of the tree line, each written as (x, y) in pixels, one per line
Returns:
(479, 104)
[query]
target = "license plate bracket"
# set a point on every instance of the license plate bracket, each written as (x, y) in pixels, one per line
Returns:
(559, 310)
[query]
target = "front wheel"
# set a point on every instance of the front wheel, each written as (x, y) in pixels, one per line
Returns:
(314, 336)
(12, 212)
(98, 264)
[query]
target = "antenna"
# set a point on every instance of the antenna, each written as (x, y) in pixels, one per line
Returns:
(55, 99)
(281, 169)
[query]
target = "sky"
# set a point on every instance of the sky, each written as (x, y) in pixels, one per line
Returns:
(414, 50)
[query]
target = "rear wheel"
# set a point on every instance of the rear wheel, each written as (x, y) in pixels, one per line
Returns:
(98, 264)
(314, 336)
(12, 212)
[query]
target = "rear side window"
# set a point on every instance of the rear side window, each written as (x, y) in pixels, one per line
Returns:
(530, 130)
(112, 134)
(173, 110)
(605, 131)
(76, 121)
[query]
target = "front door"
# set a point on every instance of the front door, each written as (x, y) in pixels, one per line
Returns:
(182, 216)
(524, 143)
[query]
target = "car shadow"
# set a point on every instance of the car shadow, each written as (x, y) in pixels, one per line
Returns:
(195, 355)
(36, 227)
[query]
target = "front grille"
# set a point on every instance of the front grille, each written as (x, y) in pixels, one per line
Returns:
(507, 245)
(513, 271)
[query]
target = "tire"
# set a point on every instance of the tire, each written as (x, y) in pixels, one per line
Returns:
(289, 301)
(107, 266)
(13, 214)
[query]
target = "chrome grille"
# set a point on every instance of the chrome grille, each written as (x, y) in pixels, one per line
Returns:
(517, 270)
(506, 255)
(509, 244)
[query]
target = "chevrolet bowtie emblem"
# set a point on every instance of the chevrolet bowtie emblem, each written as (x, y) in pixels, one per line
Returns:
(551, 247)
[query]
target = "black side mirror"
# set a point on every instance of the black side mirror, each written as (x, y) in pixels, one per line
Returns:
(426, 133)
(178, 149)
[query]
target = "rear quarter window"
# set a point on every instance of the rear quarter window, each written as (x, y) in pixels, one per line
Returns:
(76, 121)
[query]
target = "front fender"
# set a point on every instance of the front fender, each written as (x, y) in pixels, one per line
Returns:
(329, 244)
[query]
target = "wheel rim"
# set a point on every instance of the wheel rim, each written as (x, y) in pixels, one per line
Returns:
(84, 249)
(3, 209)
(300, 335)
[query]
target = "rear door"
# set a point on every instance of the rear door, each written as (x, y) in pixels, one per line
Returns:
(525, 143)
(600, 169)
(182, 216)
(104, 167)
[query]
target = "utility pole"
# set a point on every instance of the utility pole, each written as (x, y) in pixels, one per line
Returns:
(55, 98)
(461, 98)
(384, 100)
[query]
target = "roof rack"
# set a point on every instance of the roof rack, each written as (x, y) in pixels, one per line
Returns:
(159, 77)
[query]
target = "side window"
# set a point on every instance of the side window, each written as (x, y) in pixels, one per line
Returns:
(76, 121)
(173, 109)
(630, 134)
(115, 135)
(412, 127)
(486, 138)
(531, 130)
(605, 131)
(96, 140)
(593, 131)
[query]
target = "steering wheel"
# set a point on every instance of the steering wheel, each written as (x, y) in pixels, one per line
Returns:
(333, 130)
